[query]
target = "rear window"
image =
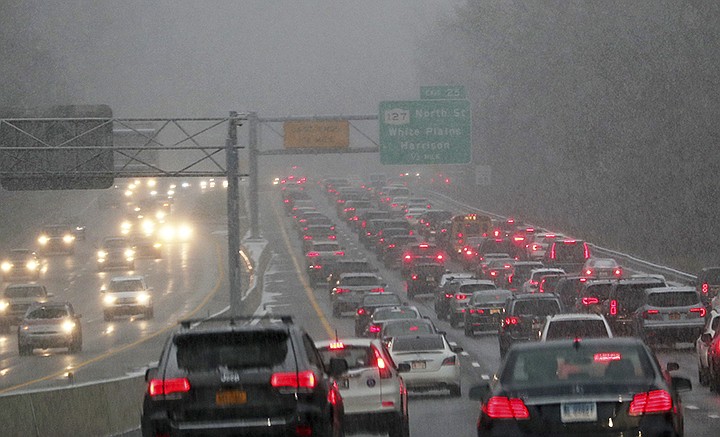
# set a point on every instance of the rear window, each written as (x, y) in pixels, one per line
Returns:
(576, 329)
(390, 314)
(360, 281)
(393, 329)
(600, 291)
(471, 288)
(589, 364)
(381, 298)
(673, 299)
(406, 344)
(569, 251)
(207, 352)
(631, 296)
(357, 357)
(537, 307)
(484, 298)
(11, 292)
(325, 247)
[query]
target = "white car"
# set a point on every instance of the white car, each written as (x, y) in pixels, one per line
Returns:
(531, 285)
(373, 392)
(412, 215)
(434, 363)
(703, 343)
(127, 295)
(581, 325)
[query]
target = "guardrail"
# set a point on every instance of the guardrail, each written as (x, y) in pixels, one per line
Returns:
(625, 259)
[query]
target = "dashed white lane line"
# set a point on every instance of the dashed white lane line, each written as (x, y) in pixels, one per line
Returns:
(475, 364)
(692, 407)
(464, 353)
(713, 416)
(485, 377)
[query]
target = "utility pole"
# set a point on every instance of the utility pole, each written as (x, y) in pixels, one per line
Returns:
(253, 174)
(233, 212)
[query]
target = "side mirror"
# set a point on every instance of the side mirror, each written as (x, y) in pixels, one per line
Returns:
(681, 384)
(338, 366)
(706, 338)
(671, 367)
(480, 391)
(150, 373)
(403, 367)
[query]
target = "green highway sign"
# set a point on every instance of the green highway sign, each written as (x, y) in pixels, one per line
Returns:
(442, 92)
(425, 132)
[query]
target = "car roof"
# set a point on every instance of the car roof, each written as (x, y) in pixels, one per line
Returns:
(655, 290)
(126, 278)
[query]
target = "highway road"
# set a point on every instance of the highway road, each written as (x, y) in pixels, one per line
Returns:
(190, 281)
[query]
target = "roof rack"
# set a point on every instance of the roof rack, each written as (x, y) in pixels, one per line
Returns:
(286, 319)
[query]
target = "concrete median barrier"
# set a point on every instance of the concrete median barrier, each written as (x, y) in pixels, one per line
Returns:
(97, 409)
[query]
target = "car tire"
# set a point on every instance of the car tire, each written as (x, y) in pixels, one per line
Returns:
(703, 375)
(455, 391)
(399, 427)
(107, 316)
(454, 322)
(25, 350)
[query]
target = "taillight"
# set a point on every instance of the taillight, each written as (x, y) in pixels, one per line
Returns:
(313, 254)
(382, 366)
(648, 313)
(332, 237)
(374, 329)
(307, 237)
(340, 253)
(407, 258)
(618, 272)
(613, 307)
(449, 295)
(705, 288)
(460, 296)
(303, 430)
(159, 387)
(590, 301)
(332, 395)
(700, 310)
(500, 407)
(361, 311)
(304, 379)
(341, 290)
(552, 251)
(414, 277)
(586, 250)
(588, 272)
(449, 361)
(656, 401)
(377, 290)
(440, 257)
(510, 321)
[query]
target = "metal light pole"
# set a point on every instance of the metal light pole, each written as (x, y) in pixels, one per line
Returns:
(233, 216)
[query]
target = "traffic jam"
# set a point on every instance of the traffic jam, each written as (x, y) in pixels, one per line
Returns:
(583, 340)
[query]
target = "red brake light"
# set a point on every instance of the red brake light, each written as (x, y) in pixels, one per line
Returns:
(656, 401)
(332, 237)
(618, 272)
(460, 296)
(613, 307)
(407, 257)
(500, 407)
(391, 245)
(307, 237)
(511, 320)
(337, 345)
(604, 357)
(158, 387)
(377, 290)
(414, 277)
(705, 288)
(361, 311)
(305, 379)
(374, 329)
(440, 257)
(588, 272)
(340, 253)
(586, 250)
(590, 301)
(286, 200)
(649, 313)
(423, 246)
(341, 290)
(313, 254)
(700, 310)
(382, 366)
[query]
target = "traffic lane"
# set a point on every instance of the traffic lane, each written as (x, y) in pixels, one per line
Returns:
(181, 280)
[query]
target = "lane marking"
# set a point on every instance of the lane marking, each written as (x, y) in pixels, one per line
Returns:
(692, 407)
(485, 377)
(475, 364)
(301, 275)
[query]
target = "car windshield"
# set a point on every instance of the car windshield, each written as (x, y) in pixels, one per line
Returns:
(47, 313)
(14, 292)
(237, 350)
(128, 285)
(564, 363)
(115, 243)
(419, 343)
(673, 299)
(537, 307)
(56, 231)
(576, 329)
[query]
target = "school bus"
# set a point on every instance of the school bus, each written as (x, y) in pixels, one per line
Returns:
(465, 226)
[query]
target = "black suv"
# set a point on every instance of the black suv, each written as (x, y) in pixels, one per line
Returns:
(525, 317)
(625, 297)
(707, 283)
(226, 376)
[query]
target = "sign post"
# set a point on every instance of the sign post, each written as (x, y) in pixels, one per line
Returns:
(425, 132)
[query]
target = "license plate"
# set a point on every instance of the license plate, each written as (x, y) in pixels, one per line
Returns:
(230, 397)
(344, 384)
(674, 316)
(578, 412)
(495, 310)
(418, 365)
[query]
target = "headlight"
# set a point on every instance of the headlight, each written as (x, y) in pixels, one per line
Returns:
(129, 253)
(68, 326)
(157, 245)
(184, 232)
(109, 299)
(143, 298)
(67, 239)
(43, 239)
(32, 265)
(4, 305)
(6, 266)
(101, 254)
